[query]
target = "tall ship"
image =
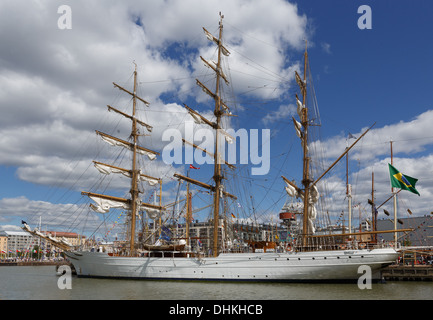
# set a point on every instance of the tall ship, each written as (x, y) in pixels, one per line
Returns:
(144, 254)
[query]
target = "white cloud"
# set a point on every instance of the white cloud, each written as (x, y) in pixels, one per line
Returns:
(409, 137)
(284, 113)
(372, 155)
(326, 47)
(54, 84)
(53, 215)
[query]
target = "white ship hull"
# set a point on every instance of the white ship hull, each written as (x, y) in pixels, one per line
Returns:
(331, 266)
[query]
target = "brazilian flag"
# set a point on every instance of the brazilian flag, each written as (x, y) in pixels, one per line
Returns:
(399, 180)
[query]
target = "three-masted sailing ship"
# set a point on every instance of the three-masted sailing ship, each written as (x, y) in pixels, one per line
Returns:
(305, 262)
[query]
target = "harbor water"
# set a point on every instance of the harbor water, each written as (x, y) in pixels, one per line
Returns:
(42, 283)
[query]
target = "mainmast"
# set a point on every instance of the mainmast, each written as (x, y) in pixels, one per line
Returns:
(217, 170)
(220, 110)
(133, 204)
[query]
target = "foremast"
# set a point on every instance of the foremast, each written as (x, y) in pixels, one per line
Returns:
(133, 204)
(220, 110)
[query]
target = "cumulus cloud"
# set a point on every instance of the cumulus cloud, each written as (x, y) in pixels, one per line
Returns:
(409, 138)
(373, 154)
(283, 112)
(54, 215)
(55, 84)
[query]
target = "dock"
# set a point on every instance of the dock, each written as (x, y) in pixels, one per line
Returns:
(33, 263)
(408, 273)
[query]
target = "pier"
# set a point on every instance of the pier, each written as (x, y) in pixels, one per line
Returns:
(408, 273)
(33, 263)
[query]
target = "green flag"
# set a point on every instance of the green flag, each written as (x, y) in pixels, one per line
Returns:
(399, 180)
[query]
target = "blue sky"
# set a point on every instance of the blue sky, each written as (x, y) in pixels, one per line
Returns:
(56, 83)
(384, 69)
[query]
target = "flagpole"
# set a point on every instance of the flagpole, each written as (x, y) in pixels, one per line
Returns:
(188, 212)
(395, 204)
(348, 190)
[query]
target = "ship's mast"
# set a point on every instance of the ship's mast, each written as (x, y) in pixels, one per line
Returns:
(133, 204)
(306, 159)
(217, 170)
(220, 110)
(309, 192)
(134, 177)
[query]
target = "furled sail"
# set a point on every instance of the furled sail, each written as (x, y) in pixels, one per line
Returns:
(118, 142)
(299, 81)
(313, 198)
(104, 205)
(300, 107)
(312, 211)
(298, 128)
(212, 38)
(199, 119)
(150, 180)
(106, 169)
(291, 191)
(213, 65)
(196, 118)
(299, 132)
(153, 213)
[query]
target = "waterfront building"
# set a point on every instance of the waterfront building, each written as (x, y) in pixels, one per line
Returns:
(16, 242)
(236, 236)
(73, 238)
(3, 245)
(422, 235)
